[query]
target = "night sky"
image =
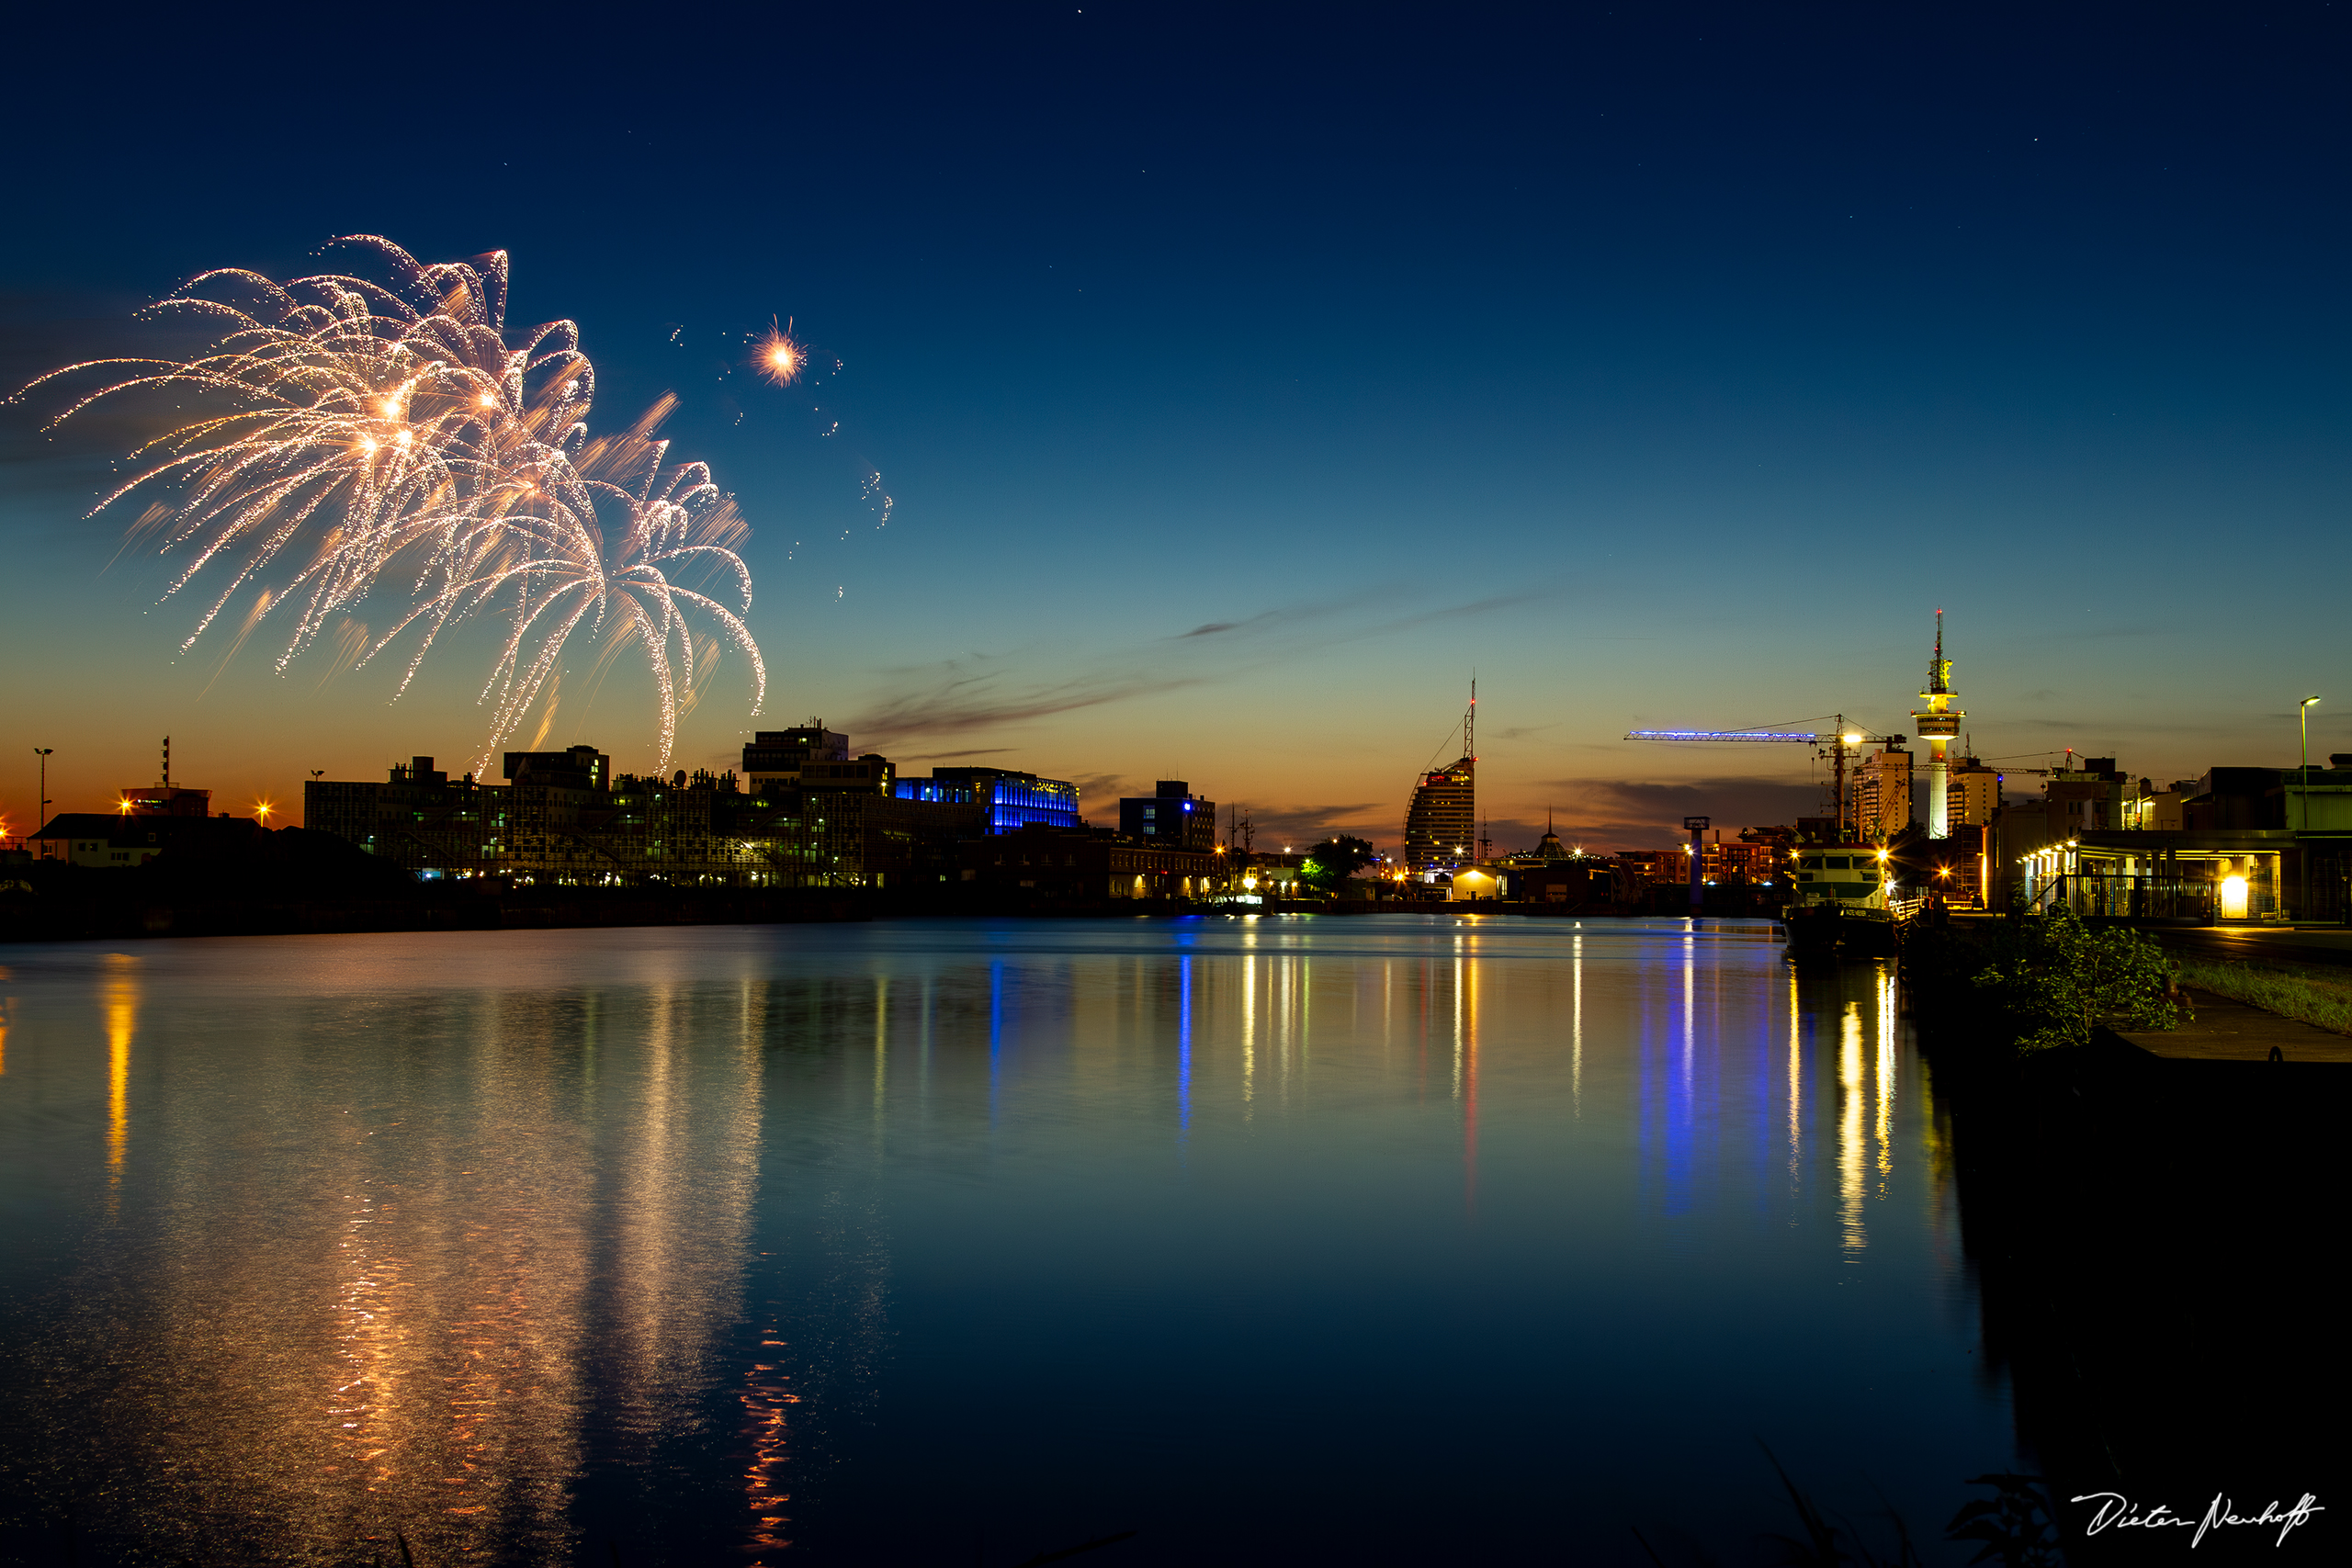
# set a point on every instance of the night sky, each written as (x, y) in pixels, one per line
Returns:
(1241, 381)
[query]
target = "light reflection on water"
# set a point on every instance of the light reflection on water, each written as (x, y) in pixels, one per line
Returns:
(879, 1243)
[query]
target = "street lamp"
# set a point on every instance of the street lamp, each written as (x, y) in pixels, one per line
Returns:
(2304, 793)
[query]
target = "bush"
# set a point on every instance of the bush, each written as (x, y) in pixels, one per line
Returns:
(2055, 979)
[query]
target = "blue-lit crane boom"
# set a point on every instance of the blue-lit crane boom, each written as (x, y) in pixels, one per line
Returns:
(1834, 744)
(1720, 735)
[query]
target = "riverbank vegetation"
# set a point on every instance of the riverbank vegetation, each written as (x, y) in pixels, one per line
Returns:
(2016, 988)
(2324, 1001)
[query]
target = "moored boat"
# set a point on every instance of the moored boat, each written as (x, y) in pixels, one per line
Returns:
(1838, 904)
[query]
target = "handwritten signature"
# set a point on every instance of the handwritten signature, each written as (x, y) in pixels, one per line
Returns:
(2115, 1508)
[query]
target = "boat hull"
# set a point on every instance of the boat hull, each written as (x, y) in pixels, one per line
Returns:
(1828, 930)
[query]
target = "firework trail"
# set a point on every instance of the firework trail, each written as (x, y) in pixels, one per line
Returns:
(366, 433)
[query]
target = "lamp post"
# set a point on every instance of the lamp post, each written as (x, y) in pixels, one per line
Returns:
(42, 811)
(2304, 793)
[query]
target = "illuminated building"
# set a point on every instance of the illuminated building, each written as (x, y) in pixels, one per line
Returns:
(1882, 799)
(1008, 799)
(1048, 863)
(1972, 793)
(1442, 823)
(147, 820)
(1937, 723)
(419, 820)
(1171, 816)
(822, 821)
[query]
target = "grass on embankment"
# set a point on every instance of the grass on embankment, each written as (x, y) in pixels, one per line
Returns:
(2321, 1000)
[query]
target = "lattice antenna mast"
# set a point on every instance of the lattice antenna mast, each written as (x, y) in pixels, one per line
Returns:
(1470, 723)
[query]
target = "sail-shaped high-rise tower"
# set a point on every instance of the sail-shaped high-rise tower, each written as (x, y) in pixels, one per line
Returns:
(1441, 824)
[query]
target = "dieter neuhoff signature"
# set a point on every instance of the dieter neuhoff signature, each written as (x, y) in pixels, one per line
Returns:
(2114, 1510)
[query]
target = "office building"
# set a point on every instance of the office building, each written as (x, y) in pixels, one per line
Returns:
(1008, 800)
(1972, 793)
(778, 756)
(1171, 816)
(1077, 864)
(1882, 783)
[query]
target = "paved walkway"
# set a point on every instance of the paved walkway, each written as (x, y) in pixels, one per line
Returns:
(2228, 1030)
(2260, 945)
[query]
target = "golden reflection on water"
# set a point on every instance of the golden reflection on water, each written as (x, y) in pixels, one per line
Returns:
(1850, 1125)
(1867, 1065)
(1249, 1029)
(524, 1213)
(121, 994)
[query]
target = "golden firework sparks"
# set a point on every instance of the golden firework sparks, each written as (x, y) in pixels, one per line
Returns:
(362, 432)
(780, 358)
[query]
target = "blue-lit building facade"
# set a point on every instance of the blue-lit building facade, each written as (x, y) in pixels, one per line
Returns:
(1009, 800)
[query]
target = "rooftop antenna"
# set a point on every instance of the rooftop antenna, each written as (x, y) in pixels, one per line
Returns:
(1470, 721)
(168, 762)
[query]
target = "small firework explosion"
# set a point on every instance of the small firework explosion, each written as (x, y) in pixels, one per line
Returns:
(780, 358)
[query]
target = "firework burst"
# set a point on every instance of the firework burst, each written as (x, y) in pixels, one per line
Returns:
(367, 435)
(779, 357)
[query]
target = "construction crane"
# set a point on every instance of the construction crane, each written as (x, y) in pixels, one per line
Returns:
(1834, 744)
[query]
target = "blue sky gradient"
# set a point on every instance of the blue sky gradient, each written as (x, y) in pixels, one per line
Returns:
(1664, 367)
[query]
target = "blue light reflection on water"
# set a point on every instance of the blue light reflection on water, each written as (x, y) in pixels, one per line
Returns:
(1383, 1239)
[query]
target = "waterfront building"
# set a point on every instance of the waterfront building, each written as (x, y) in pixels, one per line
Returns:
(1547, 849)
(566, 818)
(1171, 815)
(1085, 864)
(1009, 800)
(147, 821)
(119, 839)
(778, 756)
(1586, 882)
(2236, 843)
(1442, 822)
(2090, 798)
(1882, 794)
(418, 819)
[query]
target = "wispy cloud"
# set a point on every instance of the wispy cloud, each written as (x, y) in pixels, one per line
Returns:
(985, 692)
(963, 697)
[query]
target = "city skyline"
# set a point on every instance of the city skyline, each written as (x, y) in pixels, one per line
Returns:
(1162, 432)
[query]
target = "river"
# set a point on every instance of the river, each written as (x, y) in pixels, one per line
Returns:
(1397, 1238)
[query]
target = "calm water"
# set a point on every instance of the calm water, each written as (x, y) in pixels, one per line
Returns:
(1372, 1240)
